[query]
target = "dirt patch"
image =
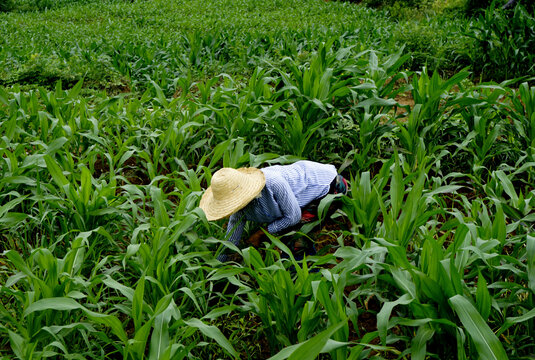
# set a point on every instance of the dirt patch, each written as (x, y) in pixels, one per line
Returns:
(404, 100)
(245, 334)
(130, 169)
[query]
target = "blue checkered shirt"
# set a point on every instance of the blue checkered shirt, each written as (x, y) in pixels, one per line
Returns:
(288, 188)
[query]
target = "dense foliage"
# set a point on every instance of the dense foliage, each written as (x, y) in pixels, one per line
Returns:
(504, 43)
(5, 5)
(120, 46)
(105, 253)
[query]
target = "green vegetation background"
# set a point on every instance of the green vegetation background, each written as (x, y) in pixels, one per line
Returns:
(118, 45)
(105, 253)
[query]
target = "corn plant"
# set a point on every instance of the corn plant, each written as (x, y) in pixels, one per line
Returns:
(365, 134)
(46, 277)
(106, 254)
(514, 34)
(482, 141)
(362, 206)
(523, 110)
(282, 302)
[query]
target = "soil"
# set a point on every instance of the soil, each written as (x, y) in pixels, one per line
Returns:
(131, 170)
(404, 99)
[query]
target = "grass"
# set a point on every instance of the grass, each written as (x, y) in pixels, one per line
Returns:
(114, 45)
(102, 247)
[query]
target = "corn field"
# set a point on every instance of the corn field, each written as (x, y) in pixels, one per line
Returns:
(431, 255)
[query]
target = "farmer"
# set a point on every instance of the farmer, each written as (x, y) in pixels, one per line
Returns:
(274, 195)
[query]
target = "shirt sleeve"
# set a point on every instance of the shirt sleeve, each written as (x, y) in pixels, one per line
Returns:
(235, 227)
(288, 205)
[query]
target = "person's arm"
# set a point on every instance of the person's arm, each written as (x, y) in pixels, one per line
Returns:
(235, 227)
(510, 4)
(291, 212)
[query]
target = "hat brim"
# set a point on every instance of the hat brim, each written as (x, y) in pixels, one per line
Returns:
(250, 187)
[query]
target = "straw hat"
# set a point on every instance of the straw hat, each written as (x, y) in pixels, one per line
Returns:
(231, 190)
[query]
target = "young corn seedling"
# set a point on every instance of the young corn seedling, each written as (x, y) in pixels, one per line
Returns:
(43, 284)
(365, 136)
(87, 202)
(280, 301)
(523, 113)
(362, 205)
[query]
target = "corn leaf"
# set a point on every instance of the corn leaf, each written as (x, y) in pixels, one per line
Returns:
(55, 304)
(213, 333)
(310, 349)
(487, 344)
(483, 299)
(418, 344)
(383, 317)
(530, 255)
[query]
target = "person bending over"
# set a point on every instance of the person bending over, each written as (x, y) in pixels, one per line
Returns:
(274, 195)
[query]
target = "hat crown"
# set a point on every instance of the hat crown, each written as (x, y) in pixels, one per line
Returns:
(226, 182)
(231, 190)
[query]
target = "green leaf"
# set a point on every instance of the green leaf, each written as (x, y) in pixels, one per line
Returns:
(18, 344)
(17, 261)
(189, 293)
(487, 344)
(309, 349)
(163, 304)
(220, 311)
(75, 90)
(429, 287)
(483, 299)
(516, 320)
(18, 180)
(4, 209)
(57, 174)
(508, 186)
(397, 189)
(11, 219)
(124, 290)
(109, 320)
(456, 278)
(55, 145)
(375, 101)
(55, 304)
(57, 329)
(85, 186)
(499, 227)
(213, 333)
(160, 212)
(137, 303)
(530, 255)
(383, 316)
(366, 340)
(160, 335)
(418, 344)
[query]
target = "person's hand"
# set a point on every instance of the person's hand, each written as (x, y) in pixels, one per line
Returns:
(256, 238)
